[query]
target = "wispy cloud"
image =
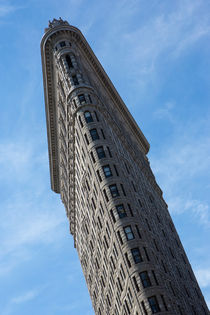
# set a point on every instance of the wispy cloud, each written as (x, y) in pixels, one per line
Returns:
(25, 297)
(203, 276)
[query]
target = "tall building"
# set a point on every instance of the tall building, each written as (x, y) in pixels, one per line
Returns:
(130, 252)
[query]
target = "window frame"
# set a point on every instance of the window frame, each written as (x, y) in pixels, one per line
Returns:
(145, 280)
(108, 172)
(155, 308)
(89, 118)
(129, 234)
(82, 99)
(136, 254)
(114, 192)
(121, 214)
(101, 154)
(94, 134)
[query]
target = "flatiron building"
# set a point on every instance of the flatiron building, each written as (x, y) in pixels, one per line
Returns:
(130, 253)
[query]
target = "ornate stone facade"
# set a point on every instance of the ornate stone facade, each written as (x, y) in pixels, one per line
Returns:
(131, 255)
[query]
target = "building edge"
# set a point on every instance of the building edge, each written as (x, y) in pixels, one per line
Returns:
(50, 98)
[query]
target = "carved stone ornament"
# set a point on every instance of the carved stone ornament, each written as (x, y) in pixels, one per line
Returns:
(55, 23)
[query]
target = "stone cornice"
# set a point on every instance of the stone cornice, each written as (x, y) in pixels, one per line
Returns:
(50, 94)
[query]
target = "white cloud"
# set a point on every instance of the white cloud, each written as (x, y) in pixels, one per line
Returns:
(27, 296)
(166, 35)
(165, 112)
(203, 277)
(5, 9)
(199, 209)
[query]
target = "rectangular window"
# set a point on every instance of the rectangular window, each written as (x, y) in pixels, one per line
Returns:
(146, 254)
(99, 176)
(86, 139)
(105, 195)
(127, 260)
(100, 152)
(154, 304)
(92, 156)
(110, 154)
(116, 171)
(154, 276)
(131, 212)
(120, 238)
(136, 255)
(89, 97)
(94, 134)
(135, 283)
(123, 190)
(112, 215)
(88, 117)
(134, 188)
(121, 211)
(144, 308)
(69, 63)
(128, 233)
(103, 134)
(75, 80)
(82, 99)
(96, 116)
(137, 230)
(80, 120)
(145, 279)
(113, 190)
(107, 171)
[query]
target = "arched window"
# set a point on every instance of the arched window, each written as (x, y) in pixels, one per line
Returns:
(88, 117)
(69, 62)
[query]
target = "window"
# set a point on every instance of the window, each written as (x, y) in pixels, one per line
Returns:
(123, 190)
(121, 211)
(154, 276)
(80, 120)
(107, 171)
(81, 98)
(145, 279)
(154, 304)
(62, 44)
(75, 104)
(115, 167)
(89, 97)
(88, 117)
(100, 152)
(120, 238)
(113, 190)
(99, 176)
(131, 212)
(136, 255)
(144, 308)
(110, 154)
(75, 80)
(69, 63)
(105, 195)
(103, 134)
(86, 138)
(94, 134)
(127, 260)
(135, 283)
(146, 254)
(96, 116)
(92, 156)
(112, 215)
(128, 233)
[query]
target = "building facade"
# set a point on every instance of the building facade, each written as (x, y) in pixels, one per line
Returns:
(130, 252)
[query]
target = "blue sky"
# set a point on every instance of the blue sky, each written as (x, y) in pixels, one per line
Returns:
(157, 55)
